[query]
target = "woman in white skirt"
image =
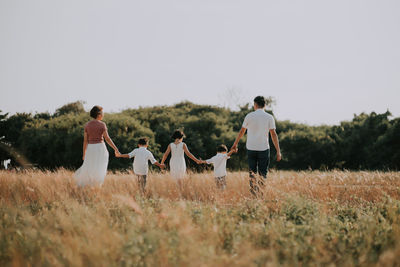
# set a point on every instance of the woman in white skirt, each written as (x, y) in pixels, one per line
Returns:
(178, 149)
(95, 154)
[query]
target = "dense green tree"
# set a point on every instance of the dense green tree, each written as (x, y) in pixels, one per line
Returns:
(355, 140)
(369, 141)
(3, 144)
(70, 108)
(3, 122)
(43, 115)
(10, 132)
(14, 125)
(387, 148)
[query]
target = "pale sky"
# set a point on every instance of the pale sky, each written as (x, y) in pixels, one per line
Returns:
(321, 60)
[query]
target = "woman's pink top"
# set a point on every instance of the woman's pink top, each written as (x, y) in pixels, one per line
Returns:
(95, 130)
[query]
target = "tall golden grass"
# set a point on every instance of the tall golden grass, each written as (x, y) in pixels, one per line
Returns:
(303, 218)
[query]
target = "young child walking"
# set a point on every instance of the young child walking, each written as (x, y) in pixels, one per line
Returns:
(140, 163)
(219, 162)
(178, 149)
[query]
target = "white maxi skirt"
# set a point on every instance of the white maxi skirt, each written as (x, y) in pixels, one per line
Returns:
(94, 167)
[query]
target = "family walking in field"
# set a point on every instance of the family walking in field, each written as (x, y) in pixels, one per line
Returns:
(258, 124)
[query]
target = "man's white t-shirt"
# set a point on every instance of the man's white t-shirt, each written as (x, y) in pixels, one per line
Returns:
(258, 123)
(140, 163)
(219, 162)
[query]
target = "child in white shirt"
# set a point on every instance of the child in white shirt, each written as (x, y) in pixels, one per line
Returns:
(140, 163)
(219, 162)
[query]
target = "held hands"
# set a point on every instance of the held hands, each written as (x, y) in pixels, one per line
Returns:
(117, 154)
(200, 161)
(161, 165)
(234, 149)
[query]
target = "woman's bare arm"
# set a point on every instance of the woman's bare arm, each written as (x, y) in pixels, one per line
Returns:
(190, 155)
(119, 155)
(85, 143)
(166, 154)
(109, 141)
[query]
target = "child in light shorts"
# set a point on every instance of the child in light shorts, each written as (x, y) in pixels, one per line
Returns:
(219, 162)
(140, 163)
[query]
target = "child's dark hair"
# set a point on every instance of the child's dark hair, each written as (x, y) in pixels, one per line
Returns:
(222, 148)
(260, 101)
(177, 135)
(95, 111)
(143, 141)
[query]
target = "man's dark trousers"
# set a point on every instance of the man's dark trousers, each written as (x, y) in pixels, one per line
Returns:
(258, 163)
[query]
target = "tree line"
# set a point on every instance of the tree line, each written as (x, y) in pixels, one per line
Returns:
(50, 141)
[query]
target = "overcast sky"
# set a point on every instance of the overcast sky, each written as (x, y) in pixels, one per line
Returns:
(321, 60)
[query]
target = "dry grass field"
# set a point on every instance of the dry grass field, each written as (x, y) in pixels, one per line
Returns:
(303, 219)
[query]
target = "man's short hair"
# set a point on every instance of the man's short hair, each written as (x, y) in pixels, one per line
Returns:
(260, 101)
(222, 148)
(143, 141)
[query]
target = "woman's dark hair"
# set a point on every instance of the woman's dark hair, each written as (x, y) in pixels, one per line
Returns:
(177, 135)
(95, 111)
(143, 141)
(222, 148)
(260, 101)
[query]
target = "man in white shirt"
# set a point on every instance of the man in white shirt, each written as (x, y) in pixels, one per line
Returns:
(259, 124)
(140, 163)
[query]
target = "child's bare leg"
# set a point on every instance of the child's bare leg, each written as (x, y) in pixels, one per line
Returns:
(221, 182)
(142, 183)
